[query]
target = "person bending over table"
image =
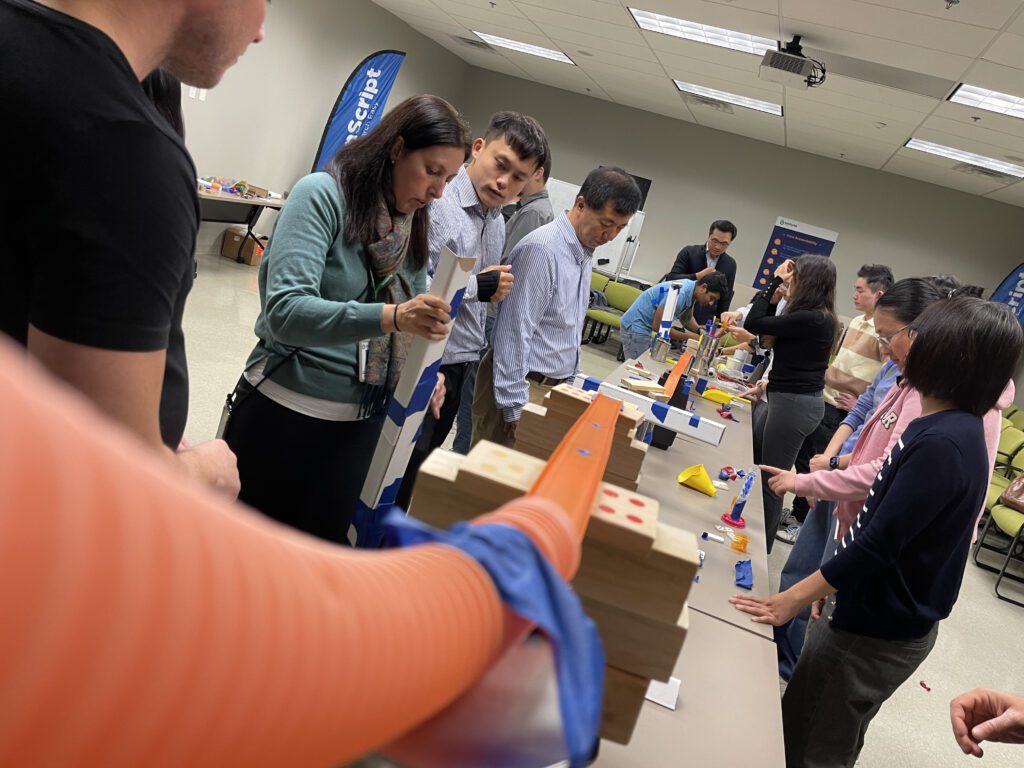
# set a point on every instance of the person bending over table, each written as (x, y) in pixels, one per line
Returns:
(898, 569)
(347, 262)
(644, 315)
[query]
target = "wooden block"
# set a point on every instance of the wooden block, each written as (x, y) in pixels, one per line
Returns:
(638, 644)
(643, 386)
(435, 499)
(572, 402)
(623, 699)
(624, 520)
(525, 444)
(643, 372)
(654, 585)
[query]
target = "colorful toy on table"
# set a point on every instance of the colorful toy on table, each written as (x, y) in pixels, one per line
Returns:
(725, 411)
(727, 473)
(744, 575)
(696, 477)
(735, 517)
(228, 186)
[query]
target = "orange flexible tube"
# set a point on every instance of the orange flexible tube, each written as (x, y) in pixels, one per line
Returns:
(147, 622)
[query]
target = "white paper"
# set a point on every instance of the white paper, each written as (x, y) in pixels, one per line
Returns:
(665, 694)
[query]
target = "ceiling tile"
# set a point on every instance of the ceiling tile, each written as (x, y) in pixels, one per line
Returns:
(974, 132)
(724, 78)
(827, 97)
(906, 164)
(1012, 194)
(744, 122)
(857, 123)
(669, 107)
(878, 50)
(1017, 27)
(422, 9)
(991, 13)
(634, 50)
(757, 90)
(975, 144)
(545, 18)
(1008, 49)
(993, 121)
(716, 14)
(556, 74)
(996, 77)
(624, 78)
(601, 59)
(678, 51)
(451, 27)
(878, 93)
(612, 13)
(480, 9)
(528, 33)
(839, 146)
(889, 23)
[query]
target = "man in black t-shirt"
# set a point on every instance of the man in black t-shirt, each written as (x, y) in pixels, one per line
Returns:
(99, 205)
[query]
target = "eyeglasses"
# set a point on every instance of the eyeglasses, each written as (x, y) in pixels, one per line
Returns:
(719, 243)
(887, 341)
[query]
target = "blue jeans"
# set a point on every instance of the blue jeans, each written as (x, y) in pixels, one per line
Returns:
(634, 344)
(813, 548)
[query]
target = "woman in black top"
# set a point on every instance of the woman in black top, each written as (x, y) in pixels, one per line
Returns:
(804, 335)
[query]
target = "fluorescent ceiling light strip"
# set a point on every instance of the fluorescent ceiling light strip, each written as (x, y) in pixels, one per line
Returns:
(730, 98)
(993, 101)
(966, 157)
(533, 50)
(703, 33)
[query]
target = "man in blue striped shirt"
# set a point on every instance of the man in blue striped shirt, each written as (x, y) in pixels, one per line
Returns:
(468, 215)
(536, 341)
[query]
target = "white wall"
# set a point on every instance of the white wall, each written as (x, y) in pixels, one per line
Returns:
(264, 121)
(700, 175)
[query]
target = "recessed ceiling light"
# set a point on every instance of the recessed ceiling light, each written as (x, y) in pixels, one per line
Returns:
(533, 50)
(967, 157)
(993, 101)
(703, 33)
(730, 98)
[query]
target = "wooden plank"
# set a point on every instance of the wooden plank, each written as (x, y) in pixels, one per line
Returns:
(623, 699)
(638, 644)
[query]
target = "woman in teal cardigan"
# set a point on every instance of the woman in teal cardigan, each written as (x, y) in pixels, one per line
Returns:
(346, 264)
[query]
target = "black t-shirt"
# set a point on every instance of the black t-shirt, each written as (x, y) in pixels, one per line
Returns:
(99, 207)
(803, 343)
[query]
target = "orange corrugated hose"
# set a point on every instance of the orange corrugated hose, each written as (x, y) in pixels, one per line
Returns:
(145, 622)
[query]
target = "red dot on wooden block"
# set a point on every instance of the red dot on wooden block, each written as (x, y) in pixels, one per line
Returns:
(637, 502)
(606, 508)
(634, 519)
(611, 493)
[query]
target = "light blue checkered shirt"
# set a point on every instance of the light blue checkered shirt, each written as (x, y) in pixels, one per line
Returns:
(458, 216)
(540, 323)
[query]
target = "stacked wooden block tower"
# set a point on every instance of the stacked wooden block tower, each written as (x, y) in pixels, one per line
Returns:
(635, 573)
(542, 427)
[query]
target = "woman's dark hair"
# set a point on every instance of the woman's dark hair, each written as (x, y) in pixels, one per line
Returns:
(954, 342)
(815, 287)
(952, 287)
(363, 167)
(164, 90)
(609, 183)
(908, 298)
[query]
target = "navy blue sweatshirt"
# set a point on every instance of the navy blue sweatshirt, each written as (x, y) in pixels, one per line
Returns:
(898, 569)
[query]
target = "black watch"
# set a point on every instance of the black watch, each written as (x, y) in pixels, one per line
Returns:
(833, 463)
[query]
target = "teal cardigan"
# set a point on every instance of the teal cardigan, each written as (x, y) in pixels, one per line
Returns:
(315, 296)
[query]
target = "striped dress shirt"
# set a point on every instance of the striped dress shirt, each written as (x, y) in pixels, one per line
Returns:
(540, 323)
(458, 217)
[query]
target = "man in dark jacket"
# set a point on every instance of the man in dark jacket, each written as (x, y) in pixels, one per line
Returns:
(695, 261)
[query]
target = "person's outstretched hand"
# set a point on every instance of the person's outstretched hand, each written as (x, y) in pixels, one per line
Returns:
(986, 715)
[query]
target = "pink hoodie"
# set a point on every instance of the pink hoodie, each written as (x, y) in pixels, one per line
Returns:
(900, 407)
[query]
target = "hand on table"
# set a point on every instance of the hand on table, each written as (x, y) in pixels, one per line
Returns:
(775, 609)
(986, 715)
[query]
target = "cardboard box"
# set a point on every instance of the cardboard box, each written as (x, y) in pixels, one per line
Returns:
(251, 252)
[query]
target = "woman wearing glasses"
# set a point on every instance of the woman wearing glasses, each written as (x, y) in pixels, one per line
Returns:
(846, 483)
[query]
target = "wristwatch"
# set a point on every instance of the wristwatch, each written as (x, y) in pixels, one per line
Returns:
(833, 463)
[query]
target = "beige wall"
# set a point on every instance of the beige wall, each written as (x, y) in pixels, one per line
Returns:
(264, 121)
(700, 175)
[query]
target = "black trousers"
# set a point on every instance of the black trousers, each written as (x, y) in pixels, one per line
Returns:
(815, 443)
(301, 471)
(435, 431)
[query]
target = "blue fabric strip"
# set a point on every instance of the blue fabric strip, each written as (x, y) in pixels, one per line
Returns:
(744, 575)
(531, 587)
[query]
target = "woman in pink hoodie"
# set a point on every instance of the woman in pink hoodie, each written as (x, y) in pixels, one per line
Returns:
(849, 485)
